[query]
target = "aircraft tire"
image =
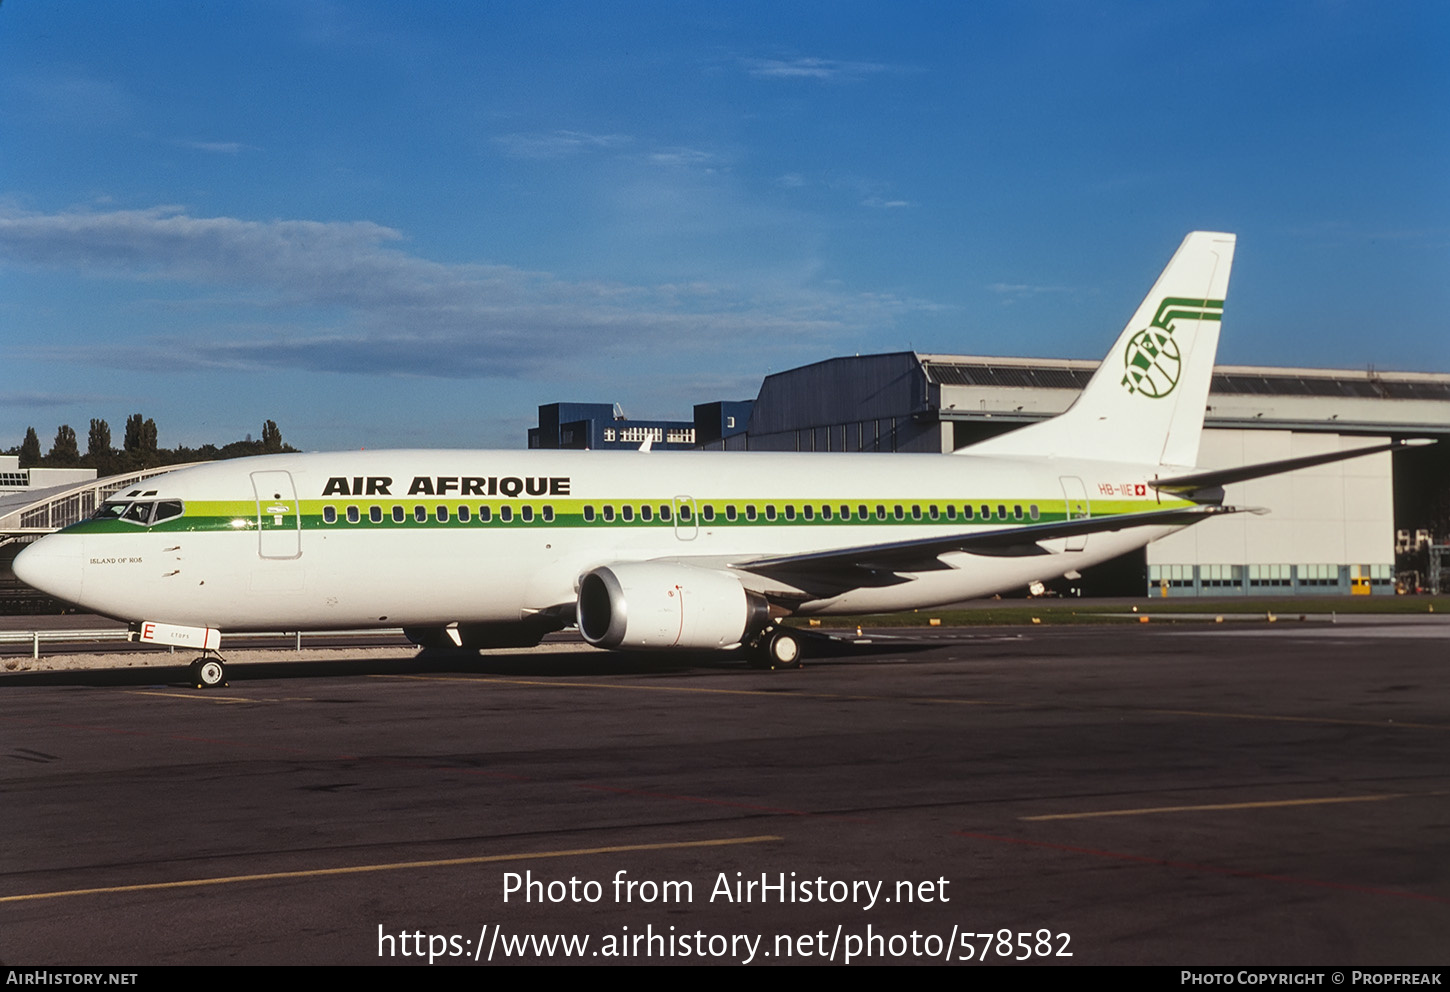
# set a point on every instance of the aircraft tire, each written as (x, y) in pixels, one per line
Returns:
(208, 673)
(783, 649)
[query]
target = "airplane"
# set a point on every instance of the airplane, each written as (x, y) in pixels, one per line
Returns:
(667, 551)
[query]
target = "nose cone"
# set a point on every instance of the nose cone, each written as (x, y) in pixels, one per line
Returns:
(54, 566)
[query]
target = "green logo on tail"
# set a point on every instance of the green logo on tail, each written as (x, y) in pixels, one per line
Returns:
(1153, 361)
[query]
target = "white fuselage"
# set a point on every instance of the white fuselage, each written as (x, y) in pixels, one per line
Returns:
(232, 563)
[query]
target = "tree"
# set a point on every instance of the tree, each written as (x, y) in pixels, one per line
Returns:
(140, 435)
(64, 451)
(133, 432)
(30, 449)
(98, 444)
(271, 437)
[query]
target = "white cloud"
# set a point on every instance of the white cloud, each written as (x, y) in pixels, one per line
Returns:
(349, 297)
(216, 147)
(810, 68)
(556, 144)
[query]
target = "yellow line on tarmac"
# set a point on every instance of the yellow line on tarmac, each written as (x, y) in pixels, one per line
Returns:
(394, 866)
(773, 694)
(1382, 724)
(1268, 804)
(204, 697)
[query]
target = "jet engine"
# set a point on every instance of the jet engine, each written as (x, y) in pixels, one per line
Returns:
(663, 605)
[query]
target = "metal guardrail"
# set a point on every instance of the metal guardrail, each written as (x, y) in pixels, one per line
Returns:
(87, 635)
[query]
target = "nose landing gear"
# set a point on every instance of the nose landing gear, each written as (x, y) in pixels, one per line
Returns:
(209, 672)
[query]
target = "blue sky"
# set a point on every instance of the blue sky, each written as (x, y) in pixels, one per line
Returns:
(386, 224)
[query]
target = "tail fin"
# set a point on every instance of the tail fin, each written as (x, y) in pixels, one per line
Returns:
(1145, 403)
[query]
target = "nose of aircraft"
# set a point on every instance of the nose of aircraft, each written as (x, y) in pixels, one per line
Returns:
(53, 565)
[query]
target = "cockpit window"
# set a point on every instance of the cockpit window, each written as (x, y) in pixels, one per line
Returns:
(138, 513)
(166, 509)
(110, 511)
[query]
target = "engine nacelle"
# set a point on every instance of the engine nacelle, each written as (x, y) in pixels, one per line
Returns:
(662, 605)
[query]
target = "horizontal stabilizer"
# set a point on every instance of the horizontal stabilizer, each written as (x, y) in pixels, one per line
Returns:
(1193, 482)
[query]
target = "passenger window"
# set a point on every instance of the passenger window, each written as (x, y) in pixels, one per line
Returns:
(352, 515)
(730, 512)
(968, 512)
(505, 514)
(708, 513)
(1001, 511)
(880, 512)
(1033, 512)
(626, 513)
(485, 514)
(420, 514)
(329, 514)
(931, 511)
(790, 511)
(399, 514)
(526, 514)
(589, 514)
(916, 511)
(770, 512)
(664, 513)
(951, 512)
(750, 513)
(899, 512)
(608, 513)
(986, 512)
(1017, 511)
(441, 513)
(684, 514)
(463, 514)
(548, 514)
(646, 512)
(375, 514)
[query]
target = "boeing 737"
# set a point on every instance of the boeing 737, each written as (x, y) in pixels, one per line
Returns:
(652, 550)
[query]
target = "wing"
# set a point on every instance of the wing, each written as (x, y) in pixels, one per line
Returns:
(880, 564)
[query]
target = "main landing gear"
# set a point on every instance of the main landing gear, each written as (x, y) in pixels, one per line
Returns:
(209, 672)
(776, 648)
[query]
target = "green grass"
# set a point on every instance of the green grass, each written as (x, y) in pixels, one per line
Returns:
(1087, 611)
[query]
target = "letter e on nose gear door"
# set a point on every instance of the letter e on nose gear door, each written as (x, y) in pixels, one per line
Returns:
(279, 520)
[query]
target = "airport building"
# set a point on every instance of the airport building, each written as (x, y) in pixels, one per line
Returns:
(1350, 527)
